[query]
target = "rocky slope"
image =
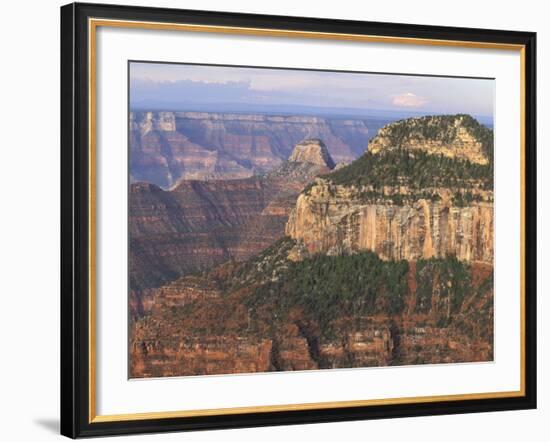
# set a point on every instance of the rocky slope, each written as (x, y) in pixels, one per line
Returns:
(404, 201)
(269, 314)
(200, 224)
(166, 147)
(455, 136)
(388, 261)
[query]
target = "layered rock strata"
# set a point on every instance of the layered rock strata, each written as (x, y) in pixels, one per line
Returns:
(377, 270)
(429, 222)
(457, 136)
(166, 147)
(198, 328)
(312, 151)
(200, 224)
(335, 219)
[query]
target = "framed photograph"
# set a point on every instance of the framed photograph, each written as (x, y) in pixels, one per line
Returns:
(278, 220)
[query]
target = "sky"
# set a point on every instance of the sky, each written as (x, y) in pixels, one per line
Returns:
(201, 87)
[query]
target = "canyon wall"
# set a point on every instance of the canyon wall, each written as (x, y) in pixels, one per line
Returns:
(335, 219)
(387, 261)
(197, 328)
(166, 147)
(199, 224)
(194, 226)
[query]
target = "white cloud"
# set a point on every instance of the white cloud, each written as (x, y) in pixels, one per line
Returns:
(408, 99)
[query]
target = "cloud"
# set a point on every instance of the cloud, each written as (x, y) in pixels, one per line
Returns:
(184, 86)
(408, 99)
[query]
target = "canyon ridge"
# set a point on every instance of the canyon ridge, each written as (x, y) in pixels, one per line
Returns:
(166, 147)
(311, 263)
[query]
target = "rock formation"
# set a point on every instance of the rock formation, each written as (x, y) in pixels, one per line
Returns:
(166, 147)
(224, 322)
(199, 224)
(387, 260)
(456, 136)
(335, 219)
(312, 151)
(350, 211)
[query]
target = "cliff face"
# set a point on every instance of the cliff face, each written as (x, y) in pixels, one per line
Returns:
(166, 147)
(423, 190)
(457, 136)
(200, 224)
(312, 151)
(224, 321)
(193, 227)
(387, 261)
(335, 219)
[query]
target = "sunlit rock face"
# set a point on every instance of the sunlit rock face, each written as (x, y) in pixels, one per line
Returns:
(312, 151)
(429, 222)
(335, 219)
(312, 266)
(455, 136)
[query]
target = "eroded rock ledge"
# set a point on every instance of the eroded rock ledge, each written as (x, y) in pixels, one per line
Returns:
(336, 219)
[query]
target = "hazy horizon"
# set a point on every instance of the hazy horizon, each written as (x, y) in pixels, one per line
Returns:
(163, 86)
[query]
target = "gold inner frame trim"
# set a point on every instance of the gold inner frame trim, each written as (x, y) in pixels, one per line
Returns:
(93, 24)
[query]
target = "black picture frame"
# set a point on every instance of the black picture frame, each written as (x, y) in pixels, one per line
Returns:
(75, 220)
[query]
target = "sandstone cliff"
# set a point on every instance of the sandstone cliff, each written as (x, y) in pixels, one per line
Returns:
(312, 151)
(423, 190)
(388, 260)
(336, 219)
(166, 147)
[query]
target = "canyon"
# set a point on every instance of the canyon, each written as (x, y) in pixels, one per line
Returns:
(385, 261)
(166, 147)
(199, 224)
